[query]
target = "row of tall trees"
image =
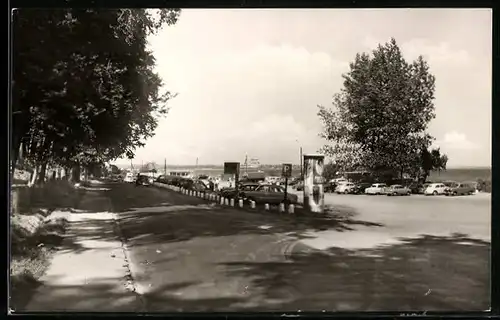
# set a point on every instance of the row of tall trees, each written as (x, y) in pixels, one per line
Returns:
(379, 119)
(84, 88)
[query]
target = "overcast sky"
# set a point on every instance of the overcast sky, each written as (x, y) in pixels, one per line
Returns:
(249, 81)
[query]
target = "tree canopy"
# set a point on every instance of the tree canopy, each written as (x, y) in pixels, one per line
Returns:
(380, 117)
(84, 86)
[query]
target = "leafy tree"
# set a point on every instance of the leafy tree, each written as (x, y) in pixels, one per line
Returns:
(431, 161)
(379, 119)
(330, 171)
(84, 89)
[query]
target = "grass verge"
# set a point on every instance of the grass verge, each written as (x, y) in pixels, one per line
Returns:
(34, 239)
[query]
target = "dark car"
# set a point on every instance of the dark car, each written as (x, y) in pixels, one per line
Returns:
(162, 179)
(268, 193)
(329, 187)
(459, 189)
(361, 187)
(243, 187)
(416, 188)
(142, 181)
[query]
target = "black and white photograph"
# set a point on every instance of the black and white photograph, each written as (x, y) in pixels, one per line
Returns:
(250, 160)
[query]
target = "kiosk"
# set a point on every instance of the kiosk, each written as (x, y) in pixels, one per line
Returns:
(313, 183)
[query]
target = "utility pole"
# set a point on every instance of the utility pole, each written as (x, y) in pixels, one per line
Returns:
(301, 167)
(246, 164)
(165, 167)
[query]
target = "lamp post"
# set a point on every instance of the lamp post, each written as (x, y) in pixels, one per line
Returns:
(301, 167)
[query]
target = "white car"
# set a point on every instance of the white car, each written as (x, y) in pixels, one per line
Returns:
(130, 178)
(376, 188)
(345, 188)
(435, 189)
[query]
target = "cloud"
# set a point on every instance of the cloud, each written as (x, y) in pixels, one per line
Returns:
(436, 53)
(456, 141)
(235, 101)
(441, 52)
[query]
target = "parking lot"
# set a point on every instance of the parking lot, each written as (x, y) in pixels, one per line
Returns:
(410, 216)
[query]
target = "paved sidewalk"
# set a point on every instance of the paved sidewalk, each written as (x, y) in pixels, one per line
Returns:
(89, 273)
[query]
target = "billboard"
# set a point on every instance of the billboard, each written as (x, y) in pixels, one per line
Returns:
(313, 183)
(231, 167)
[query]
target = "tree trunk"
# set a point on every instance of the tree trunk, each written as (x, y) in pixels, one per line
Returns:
(42, 173)
(75, 173)
(14, 202)
(425, 176)
(34, 175)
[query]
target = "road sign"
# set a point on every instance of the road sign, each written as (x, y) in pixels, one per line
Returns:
(286, 170)
(231, 167)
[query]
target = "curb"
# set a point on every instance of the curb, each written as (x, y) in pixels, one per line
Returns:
(130, 284)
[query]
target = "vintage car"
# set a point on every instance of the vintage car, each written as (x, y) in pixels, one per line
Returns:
(143, 181)
(397, 190)
(243, 187)
(346, 188)
(460, 189)
(435, 189)
(361, 187)
(268, 193)
(376, 188)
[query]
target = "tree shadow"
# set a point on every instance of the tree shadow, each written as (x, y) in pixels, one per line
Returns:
(107, 295)
(428, 273)
(148, 215)
(171, 223)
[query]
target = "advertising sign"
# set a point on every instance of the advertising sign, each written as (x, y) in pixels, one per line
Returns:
(313, 183)
(231, 168)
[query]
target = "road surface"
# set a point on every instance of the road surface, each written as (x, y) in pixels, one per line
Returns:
(189, 255)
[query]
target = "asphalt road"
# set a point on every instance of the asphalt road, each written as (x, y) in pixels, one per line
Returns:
(375, 254)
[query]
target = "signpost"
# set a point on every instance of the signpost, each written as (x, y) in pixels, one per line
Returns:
(233, 168)
(286, 172)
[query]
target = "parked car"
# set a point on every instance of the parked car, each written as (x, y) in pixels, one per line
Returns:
(460, 189)
(129, 177)
(345, 188)
(397, 190)
(243, 187)
(268, 193)
(191, 184)
(299, 186)
(376, 188)
(435, 189)
(162, 179)
(143, 181)
(361, 187)
(329, 187)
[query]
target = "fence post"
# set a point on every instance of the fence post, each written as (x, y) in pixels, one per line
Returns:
(282, 207)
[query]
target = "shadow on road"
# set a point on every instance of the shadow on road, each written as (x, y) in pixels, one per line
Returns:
(421, 274)
(428, 273)
(105, 296)
(150, 215)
